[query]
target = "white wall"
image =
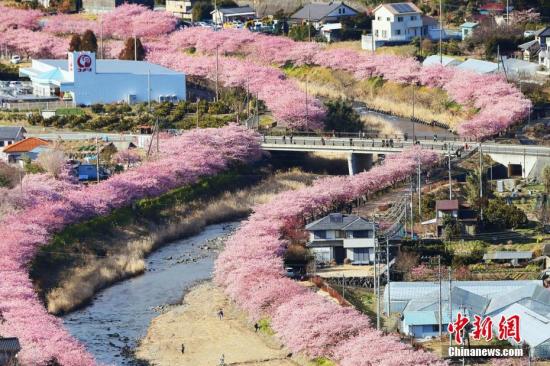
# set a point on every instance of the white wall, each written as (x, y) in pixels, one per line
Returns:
(388, 26)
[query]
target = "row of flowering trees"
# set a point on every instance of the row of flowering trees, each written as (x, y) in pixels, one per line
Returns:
(251, 60)
(250, 270)
(43, 206)
(495, 103)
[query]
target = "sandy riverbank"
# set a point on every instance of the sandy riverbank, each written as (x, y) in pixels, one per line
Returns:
(195, 323)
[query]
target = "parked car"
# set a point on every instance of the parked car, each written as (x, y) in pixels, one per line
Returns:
(289, 272)
(15, 59)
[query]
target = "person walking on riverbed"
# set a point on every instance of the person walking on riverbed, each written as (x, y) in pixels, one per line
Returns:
(220, 314)
(182, 348)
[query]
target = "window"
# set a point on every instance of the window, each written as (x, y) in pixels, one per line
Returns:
(413, 17)
(388, 19)
(376, 32)
(435, 328)
(320, 234)
(340, 234)
(1, 143)
(361, 255)
(379, 18)
(399, 19)
(362, 234)
(398, 31)
(384, 34)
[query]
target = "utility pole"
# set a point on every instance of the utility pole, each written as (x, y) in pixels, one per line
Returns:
(441, 32)
(450, 178)
(135, 47)
(450, 304)
(157, 128)
(440, 304)
(307, 102)
(412, 119)
(480, 181)
(217, 74)
(97, 158)
(412, 211)
(100, 37)
(309, 23)
(507, 13)
(375, 285)
(149, 89)
(378, 289)
(198, 104)
(343, 286)
(419, 194)
(388, 273)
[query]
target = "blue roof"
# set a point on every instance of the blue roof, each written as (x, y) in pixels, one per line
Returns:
(479, 66)
(424, 317)
(49, 76)
(118, 66)
(469, 25)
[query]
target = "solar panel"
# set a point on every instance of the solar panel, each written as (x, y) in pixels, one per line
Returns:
(403, 7)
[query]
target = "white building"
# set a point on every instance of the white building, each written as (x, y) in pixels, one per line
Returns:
(397, 22)
(180, 8)
(225, 15)
(336, 237)
(88, 81)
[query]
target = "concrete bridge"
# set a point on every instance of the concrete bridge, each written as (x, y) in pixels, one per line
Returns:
(360, 151)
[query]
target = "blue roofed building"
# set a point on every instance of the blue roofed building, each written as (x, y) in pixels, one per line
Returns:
(418, 305)
(85, 80)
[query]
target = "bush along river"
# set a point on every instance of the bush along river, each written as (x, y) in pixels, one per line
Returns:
(119, 316)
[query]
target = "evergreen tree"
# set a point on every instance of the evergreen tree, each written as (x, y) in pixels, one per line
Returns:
(128, 53)
(89, 41)
(75, 44)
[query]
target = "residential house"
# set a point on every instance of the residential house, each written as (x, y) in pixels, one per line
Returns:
(9, 348)
(467, 29)
(492, 8)
(102, 6)
(180, 8)
(221, 16)
(397, 22)
(11, 134)
(537, 49)
(29, 148)
(514, 258)
(336, 237)
(465, 217)
(418, 304)
(319, 14)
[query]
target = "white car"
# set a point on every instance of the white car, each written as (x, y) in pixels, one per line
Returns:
(528, 33)
(15, 59)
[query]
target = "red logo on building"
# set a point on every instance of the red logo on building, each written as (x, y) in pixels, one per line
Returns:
(84, 63)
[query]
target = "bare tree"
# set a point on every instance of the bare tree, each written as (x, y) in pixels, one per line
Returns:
(52, 161)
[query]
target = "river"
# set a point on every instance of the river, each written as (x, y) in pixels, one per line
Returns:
(120, 315)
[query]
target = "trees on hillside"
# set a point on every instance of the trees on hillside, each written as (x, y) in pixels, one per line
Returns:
(86, 42)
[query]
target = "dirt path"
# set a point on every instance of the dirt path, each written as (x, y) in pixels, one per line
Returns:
(206, 337)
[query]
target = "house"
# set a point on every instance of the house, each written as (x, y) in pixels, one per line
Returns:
(514, 258)
(467, 29)
(443, 60)
(88, 81)
(226, 15)
(492, 8)
(331, 31)
(397, 22)
(11, 134)
(418, 304)
(318, 14)
(29, 148)
(102, 6)
(479, 66)
(180, 8)
(530, 50)
(465, 217)
(336, 237)
(9, 348)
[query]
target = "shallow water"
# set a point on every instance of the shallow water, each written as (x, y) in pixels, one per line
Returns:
(120, 315)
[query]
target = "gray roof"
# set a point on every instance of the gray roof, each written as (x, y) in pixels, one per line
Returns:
(508, 255)
(317, 11)
(527, 45)
(544, 32)
(337, 221)
(460, 297)
(237, 10)
(546, 249)
(119, 67)
(10, 132)
(528, 295)
(399, 8)
(9, 345)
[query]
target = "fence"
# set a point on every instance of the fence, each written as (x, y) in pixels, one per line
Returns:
(29, 106)
(321, 284)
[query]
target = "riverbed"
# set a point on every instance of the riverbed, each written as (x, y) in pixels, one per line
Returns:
(120, 315)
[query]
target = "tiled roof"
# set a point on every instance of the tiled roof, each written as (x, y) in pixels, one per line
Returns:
(400, 8)
(317, 11)
(508, 255)
(237, 10)
(446, 205)
(25, 145)
(9, 345)
(10, 132)
(337, 221)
